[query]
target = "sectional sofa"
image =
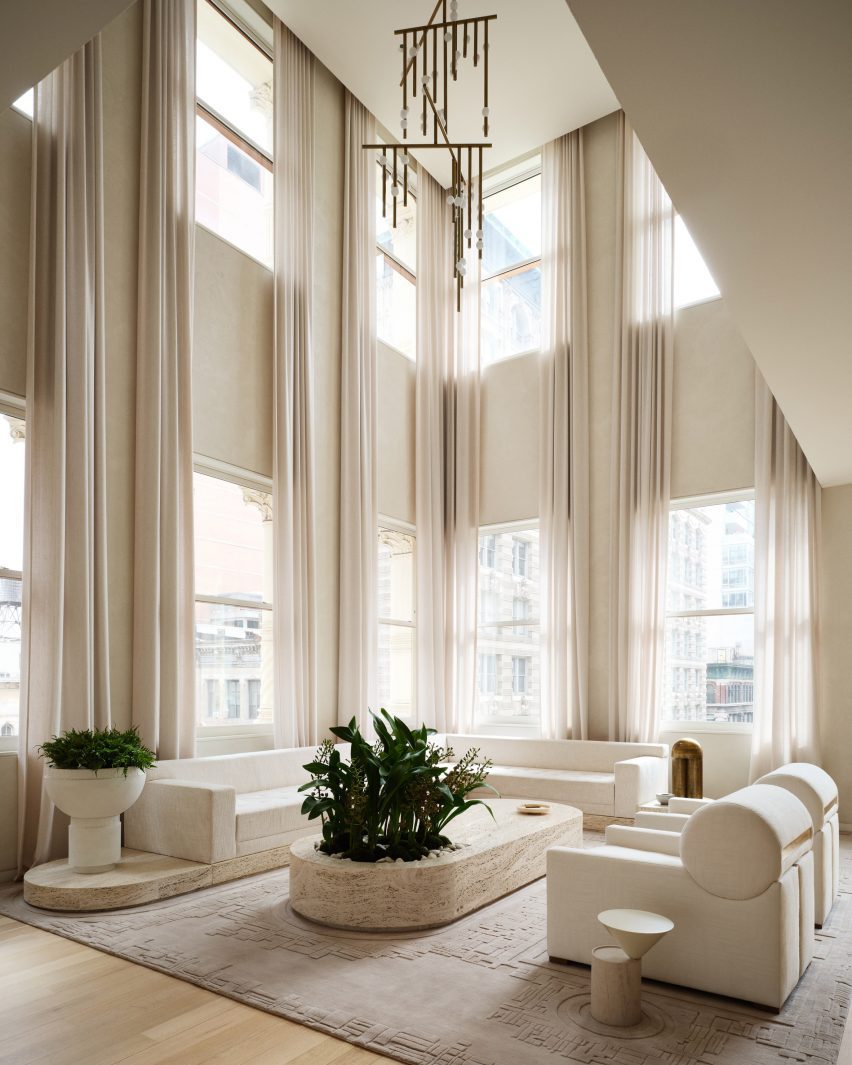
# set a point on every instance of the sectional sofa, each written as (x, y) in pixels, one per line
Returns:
(239, 813)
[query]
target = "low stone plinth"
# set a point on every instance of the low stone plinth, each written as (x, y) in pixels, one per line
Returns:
(493, 858)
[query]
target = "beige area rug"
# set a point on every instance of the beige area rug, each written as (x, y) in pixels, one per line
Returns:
(480, 992)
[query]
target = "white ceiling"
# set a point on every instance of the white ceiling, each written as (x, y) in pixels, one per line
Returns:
(38, 35)
(745, 109)
(543, 78)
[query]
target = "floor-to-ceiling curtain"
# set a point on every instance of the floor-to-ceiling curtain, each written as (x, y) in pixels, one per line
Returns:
(295, 717)
(641, 442)
(447, 470)
(564, 447)
(64, 663)
(786, 584)
(163, 625)
(358, 636)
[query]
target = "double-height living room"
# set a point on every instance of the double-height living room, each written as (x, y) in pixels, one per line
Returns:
(425, 532)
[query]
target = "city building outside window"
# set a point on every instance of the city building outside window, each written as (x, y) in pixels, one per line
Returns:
(709, 663)
(233, 603)
(510, 322)
(396, 266)
(397, 662)
(12, 449)
(233, 130)
(509, 664)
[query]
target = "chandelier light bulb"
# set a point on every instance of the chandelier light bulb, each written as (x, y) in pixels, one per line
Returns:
(450, 199)
(394, 191)
(424, 81)
(479, 234)
(468, 233)
(479, 245)
(412, 52)
(403, 113)
(447, 35)
(486, 111)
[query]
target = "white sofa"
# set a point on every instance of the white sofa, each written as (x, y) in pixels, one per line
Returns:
(223, 808)
(597, 777)
(737, 882)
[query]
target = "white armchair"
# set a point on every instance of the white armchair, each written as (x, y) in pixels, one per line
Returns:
(818, 791)
(737, 882)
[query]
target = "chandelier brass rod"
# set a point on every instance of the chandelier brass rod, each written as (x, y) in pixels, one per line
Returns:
(418, 147)
(421, 31)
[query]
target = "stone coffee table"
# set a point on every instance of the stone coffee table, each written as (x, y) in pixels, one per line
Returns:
(493, 858)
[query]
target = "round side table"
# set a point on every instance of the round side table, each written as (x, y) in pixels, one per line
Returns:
(617, 971)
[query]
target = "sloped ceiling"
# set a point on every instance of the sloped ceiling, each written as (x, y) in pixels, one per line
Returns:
(745, 109)
(37, 35)
(544, 80)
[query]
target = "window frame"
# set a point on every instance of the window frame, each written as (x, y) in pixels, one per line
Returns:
(220, 123)
(258, 482)
(668, 725)
(530, 626)
(396, 264)
(494, 186)
(13, 407)
(401, 526)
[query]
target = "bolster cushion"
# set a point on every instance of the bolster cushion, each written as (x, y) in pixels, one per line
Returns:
(811, 785)
(737, 847)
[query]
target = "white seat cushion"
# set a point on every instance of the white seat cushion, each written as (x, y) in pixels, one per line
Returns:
(269, 813)
(570, 786)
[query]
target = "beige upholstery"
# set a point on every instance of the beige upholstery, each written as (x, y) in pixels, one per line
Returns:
(222, 807)
(598, 777)
(664, 821)
(680, 805)
(749, 946)
(737, 847)
(818, 791)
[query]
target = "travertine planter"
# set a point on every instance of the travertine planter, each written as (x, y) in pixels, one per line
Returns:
(491, 860)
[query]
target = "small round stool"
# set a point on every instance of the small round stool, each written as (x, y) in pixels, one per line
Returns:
(617, 971)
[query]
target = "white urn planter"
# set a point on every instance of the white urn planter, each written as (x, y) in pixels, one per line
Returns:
(94, 801)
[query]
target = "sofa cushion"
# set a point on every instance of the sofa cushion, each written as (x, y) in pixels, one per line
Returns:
(251, 772)
(269, 813)
(558, 785)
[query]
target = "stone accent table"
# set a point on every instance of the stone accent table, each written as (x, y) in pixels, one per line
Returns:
(492, 858)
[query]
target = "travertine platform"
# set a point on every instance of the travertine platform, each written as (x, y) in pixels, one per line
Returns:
(139, 877)
(493, 858)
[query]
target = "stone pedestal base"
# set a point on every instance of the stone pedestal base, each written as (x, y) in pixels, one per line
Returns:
(94, 844)
(616, 988)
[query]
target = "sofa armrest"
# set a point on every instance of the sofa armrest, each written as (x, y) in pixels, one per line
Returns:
(663, 822)
(638, 780)
(643, 839)
(184, 819)
(679, 805)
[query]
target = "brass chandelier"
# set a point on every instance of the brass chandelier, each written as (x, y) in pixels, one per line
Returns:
(435, 51)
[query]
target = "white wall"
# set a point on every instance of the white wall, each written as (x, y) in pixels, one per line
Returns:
(836, 641)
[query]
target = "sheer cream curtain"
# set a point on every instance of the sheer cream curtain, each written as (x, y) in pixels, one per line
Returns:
(786, 584)
(447, 471)
(641, 443)
(64, 662)
(358, 650)
(564, 447)
(163, 622)
(294, 564)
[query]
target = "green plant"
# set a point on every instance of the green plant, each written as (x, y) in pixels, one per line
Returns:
(101, 748)
(392, 799)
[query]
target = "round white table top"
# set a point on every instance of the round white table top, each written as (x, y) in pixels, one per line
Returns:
(636, 921)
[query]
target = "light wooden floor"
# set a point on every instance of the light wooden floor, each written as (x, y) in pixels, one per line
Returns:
(65, 1004)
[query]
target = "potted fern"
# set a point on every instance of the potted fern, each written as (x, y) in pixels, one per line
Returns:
(94, 775)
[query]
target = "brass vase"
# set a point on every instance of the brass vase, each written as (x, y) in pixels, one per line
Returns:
(687, 769)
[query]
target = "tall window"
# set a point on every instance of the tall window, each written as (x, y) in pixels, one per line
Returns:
(396, 265)
(11, 565)
(511, 271)
(710, 613)
(233, 603)
(397, 659)
(693, 282)
(233, 130)
(508, 664)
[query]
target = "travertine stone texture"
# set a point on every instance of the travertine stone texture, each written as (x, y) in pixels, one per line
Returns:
(616, 987)
(139, 877)
(493, 858)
